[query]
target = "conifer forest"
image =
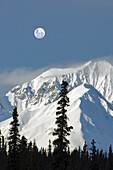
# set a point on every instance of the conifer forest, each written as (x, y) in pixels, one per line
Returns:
(17, 153)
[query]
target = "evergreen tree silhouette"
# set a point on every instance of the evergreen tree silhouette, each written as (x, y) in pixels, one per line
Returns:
(3, 153)
(23, 153)
(49, 148)
(29, 157)
(93, 156)
(49, 159)
(110, 159)
(14, 141)
(61, 143)
(84, 157)
(34, 157)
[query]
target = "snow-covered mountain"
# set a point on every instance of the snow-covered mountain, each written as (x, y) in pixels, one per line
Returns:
(90, 111)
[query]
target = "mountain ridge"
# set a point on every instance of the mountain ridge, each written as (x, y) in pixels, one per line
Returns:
(90, 86)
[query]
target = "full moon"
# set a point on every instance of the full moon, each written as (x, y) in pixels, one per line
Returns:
(39, 33)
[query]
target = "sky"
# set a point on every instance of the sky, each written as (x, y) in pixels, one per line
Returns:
(76, 31)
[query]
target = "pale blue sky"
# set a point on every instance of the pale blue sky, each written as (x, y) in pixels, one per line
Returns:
(76, 31)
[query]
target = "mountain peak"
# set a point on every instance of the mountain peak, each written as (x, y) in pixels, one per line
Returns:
(90, 92)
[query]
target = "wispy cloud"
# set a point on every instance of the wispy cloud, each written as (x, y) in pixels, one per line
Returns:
(19, 76)
(9, 79)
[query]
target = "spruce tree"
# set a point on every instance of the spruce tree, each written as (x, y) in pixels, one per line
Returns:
(84, 157)
(49, 158)
(29, 157)
(49, 148)
(61, 143)
(34, 157)
(23, 153)
(110, 158)
(93, 156)
(3, 153)
(14, 141)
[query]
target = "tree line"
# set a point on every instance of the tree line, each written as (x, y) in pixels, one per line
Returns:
(16, 153)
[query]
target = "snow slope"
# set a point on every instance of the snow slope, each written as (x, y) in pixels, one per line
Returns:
(90, 111)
